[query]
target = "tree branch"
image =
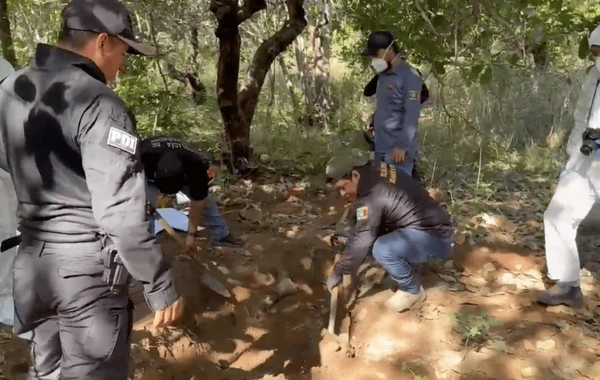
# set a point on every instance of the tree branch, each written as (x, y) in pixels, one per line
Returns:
(268, 52)
(425, 18)
(496, 17)
(249, 8)
(223, 10)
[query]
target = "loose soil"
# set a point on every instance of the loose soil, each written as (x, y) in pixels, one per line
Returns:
(478, 321)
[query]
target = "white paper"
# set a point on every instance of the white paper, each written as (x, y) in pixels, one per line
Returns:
(174, 218)
(181, 198)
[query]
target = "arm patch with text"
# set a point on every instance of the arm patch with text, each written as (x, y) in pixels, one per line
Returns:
(414, 95)
(122, 140)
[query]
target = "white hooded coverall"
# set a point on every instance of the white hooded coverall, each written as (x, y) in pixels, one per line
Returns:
(8, 228)
(578, 188)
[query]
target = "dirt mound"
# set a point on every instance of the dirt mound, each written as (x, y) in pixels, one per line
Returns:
(478, 321)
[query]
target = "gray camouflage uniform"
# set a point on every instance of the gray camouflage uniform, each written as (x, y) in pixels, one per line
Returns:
(72, 152)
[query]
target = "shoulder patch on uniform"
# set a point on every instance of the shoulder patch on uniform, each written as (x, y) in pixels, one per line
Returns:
(362, 213)
(383, 170)
(122, 140)
(392, 175)
(414, 95)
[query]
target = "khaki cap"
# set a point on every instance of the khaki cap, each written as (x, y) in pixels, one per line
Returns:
(338, 167)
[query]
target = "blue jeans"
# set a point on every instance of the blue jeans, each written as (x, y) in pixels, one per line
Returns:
(213, 221)
(406, 166)
(398, 250)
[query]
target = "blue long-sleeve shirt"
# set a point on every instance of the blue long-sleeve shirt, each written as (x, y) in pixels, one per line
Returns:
(398, 110)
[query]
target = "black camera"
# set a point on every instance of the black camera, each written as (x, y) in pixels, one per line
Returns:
(589, 145)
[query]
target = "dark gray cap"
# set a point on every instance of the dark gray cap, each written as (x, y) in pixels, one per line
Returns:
(381, 39)
(340, 166)
(105, 16)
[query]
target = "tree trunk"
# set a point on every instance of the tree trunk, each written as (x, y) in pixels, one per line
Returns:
(304, 71)
(320, 41)
(289, 84)
(6, 41)
(195, 46)
(238, 107)
(195, 89)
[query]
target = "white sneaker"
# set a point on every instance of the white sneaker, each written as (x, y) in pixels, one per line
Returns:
(402, 301)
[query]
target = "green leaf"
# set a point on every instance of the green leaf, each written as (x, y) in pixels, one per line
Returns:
(439, 21)
(497, 47)
(476, 71)
(567, 19)
(405, 368)
(513, 59)
(486, 75)
(584, 48)
(438, 67)
(556, 5)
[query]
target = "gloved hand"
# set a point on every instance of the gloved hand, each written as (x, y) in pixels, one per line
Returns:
(590, 134)
(334, 279)
(336, 239)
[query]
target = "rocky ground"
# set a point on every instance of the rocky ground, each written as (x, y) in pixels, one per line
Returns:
(478, 321)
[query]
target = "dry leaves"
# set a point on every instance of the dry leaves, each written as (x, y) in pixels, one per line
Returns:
(545, 345)
(501, 346)
(252, 213)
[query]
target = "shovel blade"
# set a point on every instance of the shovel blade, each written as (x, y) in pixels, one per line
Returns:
(214, 285)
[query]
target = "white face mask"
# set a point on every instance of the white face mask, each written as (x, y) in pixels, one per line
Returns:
(380, 64)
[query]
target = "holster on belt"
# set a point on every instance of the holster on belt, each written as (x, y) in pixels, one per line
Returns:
(115, 274)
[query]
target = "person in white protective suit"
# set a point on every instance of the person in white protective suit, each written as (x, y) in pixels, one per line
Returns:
(8, 228)
(577, 192)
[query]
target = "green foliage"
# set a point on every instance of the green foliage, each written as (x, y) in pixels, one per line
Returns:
(475, 35)
(488, 107)
(474, 327)
(406, 369)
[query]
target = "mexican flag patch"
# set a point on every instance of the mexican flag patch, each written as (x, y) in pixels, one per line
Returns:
(362, 213)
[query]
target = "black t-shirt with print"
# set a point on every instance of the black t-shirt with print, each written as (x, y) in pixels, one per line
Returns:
(191, 168)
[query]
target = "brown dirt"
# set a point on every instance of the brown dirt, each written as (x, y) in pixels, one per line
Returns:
(478, 321)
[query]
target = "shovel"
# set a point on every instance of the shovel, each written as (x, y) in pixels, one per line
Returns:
(348, 293)
(347, 280)
(206, 279)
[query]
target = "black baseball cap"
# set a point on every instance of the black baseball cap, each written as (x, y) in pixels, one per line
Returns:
(378, 40)
(170, 174)
(105, 16)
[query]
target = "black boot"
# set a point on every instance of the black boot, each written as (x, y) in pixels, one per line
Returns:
(228, 241)
(561, 295)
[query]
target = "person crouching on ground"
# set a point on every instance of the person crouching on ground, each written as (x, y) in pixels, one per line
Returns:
(396, 219)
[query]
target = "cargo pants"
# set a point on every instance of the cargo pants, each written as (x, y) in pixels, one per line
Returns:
(75, 326)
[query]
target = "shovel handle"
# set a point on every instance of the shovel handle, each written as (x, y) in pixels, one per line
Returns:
(333, 302)
(333, 306)
(347, 281)
(163, 223)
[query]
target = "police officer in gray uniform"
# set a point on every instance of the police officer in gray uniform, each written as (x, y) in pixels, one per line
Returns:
(72, 152)
(398, 107)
